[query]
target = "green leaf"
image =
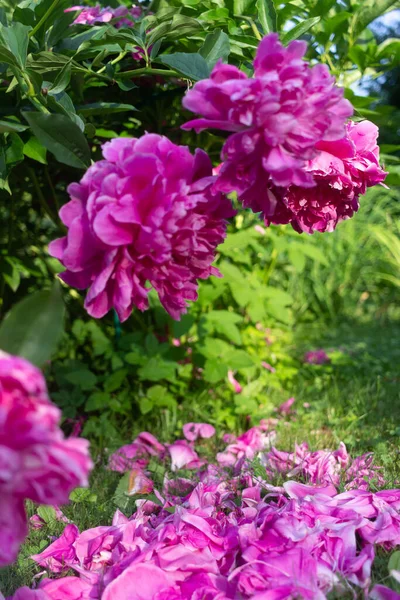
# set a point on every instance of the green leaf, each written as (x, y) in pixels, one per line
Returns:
(300, 29)
(145, 405)
(267, 15)
(224, 322)
(11, 126)
(156, 369)
(47, 513)
(103, 108)
(394, 562)
(182, 327)
(62, 80)
(84, 379)
(114, 381)
(191, 65)
(97, 401)
(34, 325)
(243, 7)
(121, 498)
(368, 11)
(214, 370)
(238, 359)
(215, 14)
(79, 495)
(14, 44)
(34, 149)
(215, 47)
(45, 62)
(62, 137)
(213, 348)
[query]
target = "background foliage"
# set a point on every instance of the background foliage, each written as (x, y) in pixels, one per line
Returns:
(65, 89)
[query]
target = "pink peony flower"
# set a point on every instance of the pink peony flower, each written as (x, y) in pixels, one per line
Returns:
(90, 15)
(381, 592)
(137, 454)
(267, 366)
(286, 407)
(183, 456)
(193, 431)
(234, 382)
(36, 461)
(277, 117)
(146, 213)
(316, 357)
(60, 553)
(139, 483)
(342, 170)
(233, 534)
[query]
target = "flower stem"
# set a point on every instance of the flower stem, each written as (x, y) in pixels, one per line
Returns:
(44, 18)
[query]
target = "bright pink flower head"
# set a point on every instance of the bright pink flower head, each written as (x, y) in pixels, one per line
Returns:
(183, 456)
(277, 117)
(316, 357)
(36, 461)
(234, 382)
(144, 214)
(90, 15)
(342, 170)
(193, 431)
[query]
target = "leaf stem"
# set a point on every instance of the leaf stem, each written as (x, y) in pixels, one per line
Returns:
(120, 56)
(44, 18)
(254, 27)
(43, 201)
(146, 71)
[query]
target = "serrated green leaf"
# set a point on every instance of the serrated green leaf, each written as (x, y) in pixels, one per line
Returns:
(214, 370)
(97, 401)
(114, 381)
(156, 369)
(84, 379)
(47, 513)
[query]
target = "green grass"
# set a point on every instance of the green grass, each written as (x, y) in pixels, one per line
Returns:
(353, 399)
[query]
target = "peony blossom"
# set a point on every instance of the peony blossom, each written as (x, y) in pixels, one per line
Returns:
(342, 170)
(183, 456)
(90, 15)
(277, 118)
(144, 217)
(137, 454)
(234, 382)
(36, 461)
(316, 357)
(286, 407)
(193, 431)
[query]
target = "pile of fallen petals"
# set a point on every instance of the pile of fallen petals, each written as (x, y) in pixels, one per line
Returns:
(230, 532)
